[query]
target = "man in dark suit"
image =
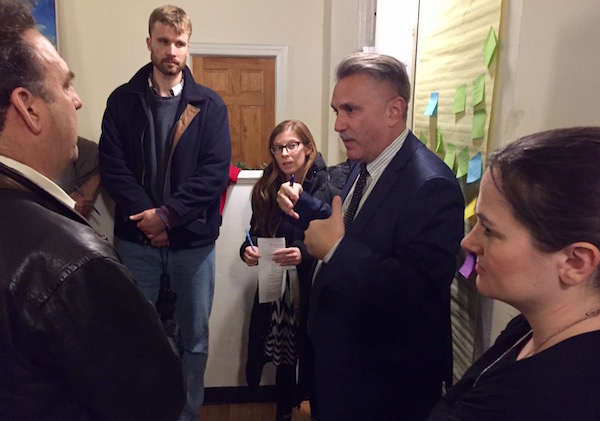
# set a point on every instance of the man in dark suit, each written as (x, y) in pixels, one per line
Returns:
(380, 306)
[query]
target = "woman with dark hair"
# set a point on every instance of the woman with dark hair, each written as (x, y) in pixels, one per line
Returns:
(537, 242)
(278, 329)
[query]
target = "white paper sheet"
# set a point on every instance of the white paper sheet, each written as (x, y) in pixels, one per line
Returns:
(271, 276)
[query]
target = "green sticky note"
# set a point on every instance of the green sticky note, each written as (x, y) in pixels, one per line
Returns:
(450, 156)
(478, 128)
(422, 138)
(460, 99)
(478, 90)
(439, 145)
(489, 47)
(463, 162)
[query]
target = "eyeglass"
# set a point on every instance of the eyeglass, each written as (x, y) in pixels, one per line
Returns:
(290, 147)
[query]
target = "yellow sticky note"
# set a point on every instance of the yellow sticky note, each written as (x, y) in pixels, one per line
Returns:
(439, 141)
(470, 209)
(478, 94)
(463, 162)
(423, 138)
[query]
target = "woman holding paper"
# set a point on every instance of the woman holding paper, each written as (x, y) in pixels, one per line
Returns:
(537, 242)
(278, 328)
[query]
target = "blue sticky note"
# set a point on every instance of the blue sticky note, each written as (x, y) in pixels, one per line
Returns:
(433, 103)
(474, 173)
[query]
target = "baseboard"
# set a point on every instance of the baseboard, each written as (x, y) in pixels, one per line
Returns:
(220, 395)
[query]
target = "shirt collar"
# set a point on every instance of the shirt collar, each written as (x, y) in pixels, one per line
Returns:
(379, 164)
(39, 179)
(174, 91)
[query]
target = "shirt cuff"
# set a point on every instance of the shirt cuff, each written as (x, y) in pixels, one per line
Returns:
(168, 217)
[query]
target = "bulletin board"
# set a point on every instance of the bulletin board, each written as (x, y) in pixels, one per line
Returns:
(456, 62)
(454, 85)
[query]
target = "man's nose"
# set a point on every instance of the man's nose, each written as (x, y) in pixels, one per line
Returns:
(77, 101)
(340, 124)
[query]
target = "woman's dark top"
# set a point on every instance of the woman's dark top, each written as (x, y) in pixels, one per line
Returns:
(559, 383)
(317, 183)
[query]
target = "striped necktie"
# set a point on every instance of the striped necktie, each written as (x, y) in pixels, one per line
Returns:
(356, 196)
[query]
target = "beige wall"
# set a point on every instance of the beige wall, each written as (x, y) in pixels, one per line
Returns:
(548, 77)
(104, 43)
(341, 37)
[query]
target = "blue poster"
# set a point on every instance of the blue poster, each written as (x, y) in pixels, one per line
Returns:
(44, 12)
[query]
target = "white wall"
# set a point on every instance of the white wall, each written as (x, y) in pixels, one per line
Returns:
(234, 292)
(396, 32)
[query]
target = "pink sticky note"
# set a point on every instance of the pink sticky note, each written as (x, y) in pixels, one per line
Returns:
(467, 268)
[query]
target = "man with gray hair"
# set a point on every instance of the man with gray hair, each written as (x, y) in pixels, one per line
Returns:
(379, 316)
(78, 341)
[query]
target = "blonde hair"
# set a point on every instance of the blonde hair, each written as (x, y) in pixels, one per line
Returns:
(172, 16)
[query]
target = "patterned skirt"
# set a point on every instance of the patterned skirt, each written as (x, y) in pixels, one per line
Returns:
(280, 342)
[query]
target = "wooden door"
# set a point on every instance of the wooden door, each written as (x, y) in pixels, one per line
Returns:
(247, 85)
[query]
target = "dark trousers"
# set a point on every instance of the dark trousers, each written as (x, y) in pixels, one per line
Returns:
(285, 384)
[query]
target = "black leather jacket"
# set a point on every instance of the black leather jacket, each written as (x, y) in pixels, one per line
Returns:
(78, 340)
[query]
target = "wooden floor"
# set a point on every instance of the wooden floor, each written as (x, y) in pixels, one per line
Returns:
(249, 412)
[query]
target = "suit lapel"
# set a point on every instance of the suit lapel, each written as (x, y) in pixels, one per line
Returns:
(354, 170)
(390, 177)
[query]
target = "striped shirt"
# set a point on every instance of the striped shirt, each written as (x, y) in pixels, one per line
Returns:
(375, 169)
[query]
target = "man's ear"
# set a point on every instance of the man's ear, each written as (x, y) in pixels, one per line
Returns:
(580, 261)
(148, 41)
(396, 107)
(28, 108)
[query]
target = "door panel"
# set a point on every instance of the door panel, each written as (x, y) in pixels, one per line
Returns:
(247, 85)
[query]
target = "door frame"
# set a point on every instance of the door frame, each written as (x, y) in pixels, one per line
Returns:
(280, 52)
